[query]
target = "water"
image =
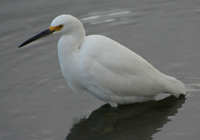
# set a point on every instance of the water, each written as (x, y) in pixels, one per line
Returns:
(37, 104)
(137, 121)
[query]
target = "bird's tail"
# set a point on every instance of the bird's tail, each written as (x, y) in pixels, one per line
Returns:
(174, 86)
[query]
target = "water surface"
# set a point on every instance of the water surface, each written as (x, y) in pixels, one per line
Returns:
(37, 104)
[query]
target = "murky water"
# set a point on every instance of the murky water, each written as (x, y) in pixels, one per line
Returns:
(37, 104)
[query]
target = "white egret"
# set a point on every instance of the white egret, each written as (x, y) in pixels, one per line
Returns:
(105, 68)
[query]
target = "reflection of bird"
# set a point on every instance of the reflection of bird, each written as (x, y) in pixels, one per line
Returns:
(105, 68)
(138, 121)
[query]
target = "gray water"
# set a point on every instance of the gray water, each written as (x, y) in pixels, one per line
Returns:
(37, 104)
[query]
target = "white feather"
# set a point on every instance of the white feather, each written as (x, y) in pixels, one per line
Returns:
(107, 69)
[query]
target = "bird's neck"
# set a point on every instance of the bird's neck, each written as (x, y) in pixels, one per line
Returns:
(68, 53)
(71, 43)
(69, 47)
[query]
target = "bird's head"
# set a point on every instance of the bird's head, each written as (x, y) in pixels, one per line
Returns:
(63, 24)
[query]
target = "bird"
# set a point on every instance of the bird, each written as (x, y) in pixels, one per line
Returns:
(103, 67)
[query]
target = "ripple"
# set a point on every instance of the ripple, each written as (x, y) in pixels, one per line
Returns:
(193, 87)
(112, 16)
(5, 134)
(189, 95)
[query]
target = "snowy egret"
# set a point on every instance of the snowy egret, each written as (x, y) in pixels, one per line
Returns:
(105, 68)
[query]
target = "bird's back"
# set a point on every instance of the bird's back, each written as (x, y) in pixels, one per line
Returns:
(112, 69)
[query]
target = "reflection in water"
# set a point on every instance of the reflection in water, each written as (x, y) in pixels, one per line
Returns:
(137, 121)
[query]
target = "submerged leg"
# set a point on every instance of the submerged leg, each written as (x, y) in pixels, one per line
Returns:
(113, 104)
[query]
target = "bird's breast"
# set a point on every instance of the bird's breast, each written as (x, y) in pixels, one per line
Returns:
(69, 63)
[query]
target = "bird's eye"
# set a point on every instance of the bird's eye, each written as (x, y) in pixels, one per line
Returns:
(61, 26)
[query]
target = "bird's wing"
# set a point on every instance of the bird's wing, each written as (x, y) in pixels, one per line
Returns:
(115, 69)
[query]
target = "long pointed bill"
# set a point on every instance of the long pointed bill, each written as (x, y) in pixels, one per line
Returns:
(38, 36)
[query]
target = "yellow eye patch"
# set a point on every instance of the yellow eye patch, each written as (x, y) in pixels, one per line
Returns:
(56, 28)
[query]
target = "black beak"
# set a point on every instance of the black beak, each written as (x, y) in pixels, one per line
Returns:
(38, 36)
